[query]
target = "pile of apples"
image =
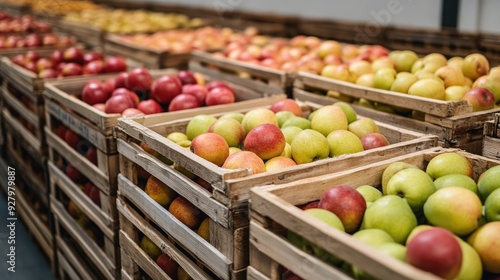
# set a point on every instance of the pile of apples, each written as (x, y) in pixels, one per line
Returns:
(35, 40)
(301, 53)
(24, 24)
(186, 40)
(267, 139)
(137, 92)
(71, 61)
(90, 228)
(439, 219)
(432, 76)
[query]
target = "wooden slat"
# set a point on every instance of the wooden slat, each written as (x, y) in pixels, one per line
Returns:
(14, 125)
(19, 107)
(219, 263)
(254, 274)
(75, 264)
(491, 147)
(66, 269)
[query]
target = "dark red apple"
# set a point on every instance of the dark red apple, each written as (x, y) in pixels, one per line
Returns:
(73, 54)
(57, 56)
(95, 92)
(72, 138)
(131, 112)
(18, 59)
(374, 140)
(218, 96)
(216, 84)
(61, 131)
(437, 251)
(182, 102)
(30, 65)
(139, 80)
(71, 69)
(31, 56)
(95, 195)
(199, 91)
(91, 155)
(204, 184)
(150, 106)
(125, 91)
(32, 40)
(110, 84)
(92, 56)
(48, 74)
(87, 188)
(168, 265)
(93, 67)
(99, 106)
(165, 88)
(345, 202)
(310, 205)
(49, 40)
(43, 63)
(480, 99)
(118, 103)
(114, 64)
(74, 174)
(121, 80)
(11, 41)
(187, 77)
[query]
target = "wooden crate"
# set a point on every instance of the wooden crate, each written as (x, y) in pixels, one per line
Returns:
(274, 211)
(449, 42)
(90, 35)
(14, 9)
(257, 77)
(489, 46)
(491, 141)
(452, 121)
(105, 259)
(348, 32)
(227, 204)
(10, 52)
(149, 58)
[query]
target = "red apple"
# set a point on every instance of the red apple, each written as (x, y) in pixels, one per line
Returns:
(204, 184)
(99, 106)
(345, 202)
(30, 65)
(165, 88)
(91, 155)
(32, 40)
(199, 91)
(92, 56)
(435, 250)
(287, 105)
(121, 80)
(168, 265)
(120, 91)
(71, 69)
(110, 84)
(310, 205)
(48, 74)
(211, 147)
(139, 80)
(219, 95)
(18, 59)
(131, 112)
(72, 138)
(186, 77)
(31, 56)
(149, 106)
(95, 195)
(116, 104)
(182, 102)
(266, 141)
(480, 99)
(95, 92)
(73, 54)
(73, 174)
(113, 64)
(215, 84)
(61, 131)
(57, 56)
(374, 140)
(87, 188)
(49, 40)
(93, 67)
(245, 160)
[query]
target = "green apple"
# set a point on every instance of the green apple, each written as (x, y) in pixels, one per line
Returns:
(382, 63)
(393, 249)
(343, 142)
(384, 78)
(428, 75)
(403, 59)
(373, 236)
(230, 129)
(488, 182)
(365, 103)
(256, 117)
(297, 121)
(454, 92)
(413, 185)
(450, 76)
(416, 230)
(283, 116)
(234, 115)
(369, 193)
(287, 151)
(392, 214)
(456, 61)
(472, 268)
(491, 83)
(456, 180)
(177, 136)
(198, 125)
(428, 88)
(455, 209)
(348, 111)
(360, 67)
(403, 82)
(150, 247)
(449, 163)
(329, 118)
(475, 65)
(435, 59)
(392, 169)
(279, 162)
(338, 96)
(363, 126)
(383, 108)
(233, 150)
(290, 132)
(308, 146)
(365, 80)
(492, 206)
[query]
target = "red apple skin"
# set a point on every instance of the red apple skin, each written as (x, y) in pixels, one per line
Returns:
(61, 131)
(99, 106)
(73, 54)
(120, 91)
(311, 205)
(118, 103)
(57, 56)
(31, 56)
(95, 195)
(111, 84)
(49, 40)
(72, 138)
(92, 56)
(435, 250)
(204, 184)
(95, 92)
(114, 64)
(149, 107)
(91, 155)
(43, 63)
(480, 99)
(168, 265)
(215, 84)
(219, 96)
(71, 69)
(139, 80)
(18, 59)
(287, 105)
(131, 112)
(48, 74)
(121, 80)
(266, 141)
(183, 102)
(93, 67)
(87, 188)
(186, 77)
(166, 88)
(345, 202)
(374, 140)
(74, 174)
(199, 91)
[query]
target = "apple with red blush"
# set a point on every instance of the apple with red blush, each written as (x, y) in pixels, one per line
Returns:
(182, 102)
(71, 69)
(99, 106)
(374, 140)
(92, 56)
(187, 77)
(93, 67)
(149, 106)
(219, 95)
(199, 91)
(132, 112)
(165, 88)
(73, 54)
(139, 80)
(113, 64)
(116, 104)
(48, 74)
(215, 84)
(120, 91)
(95, 92)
